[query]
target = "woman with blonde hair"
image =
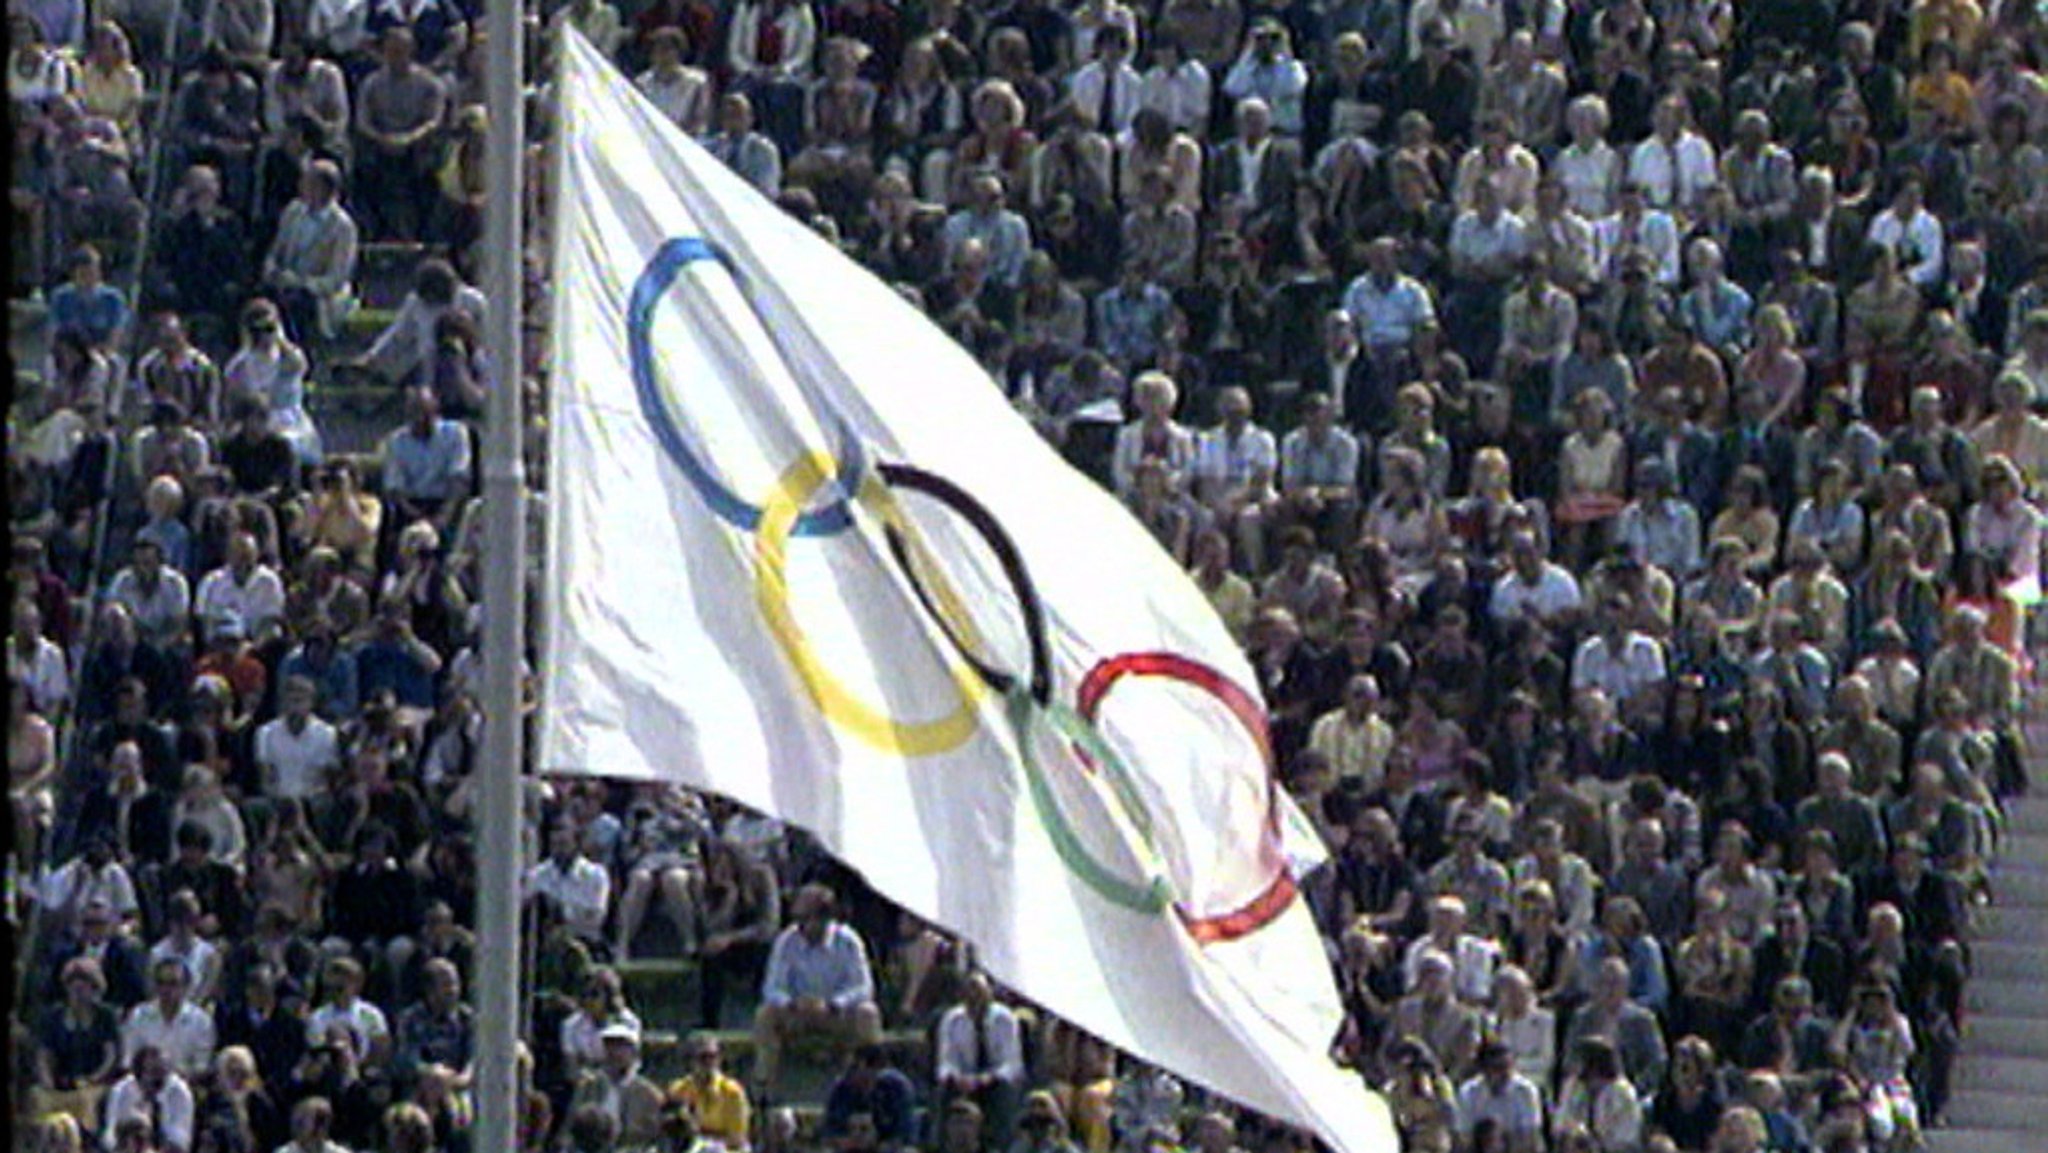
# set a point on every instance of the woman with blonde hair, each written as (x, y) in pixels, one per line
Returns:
(1774, 362)
(109, 83)
(1491, 513)
(998, 140)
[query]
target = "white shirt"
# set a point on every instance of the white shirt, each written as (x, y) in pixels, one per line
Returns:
(1472, 967)
(1518, 1107)
(1181, 95)
(366, 1024)
(1637, 667)
(1918, 243)
(1654, 232)
(294, 764)
(1001, 1053)
(44, 675)
(174, 1106)
(161, 613)
(1084, 88)
(185, 1037)
(258, 600)
(1229, 463)
(581, 892)
(1554, 591)
(1674, 175)
(74, 885)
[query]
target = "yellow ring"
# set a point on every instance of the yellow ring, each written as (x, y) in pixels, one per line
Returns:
(832, 698)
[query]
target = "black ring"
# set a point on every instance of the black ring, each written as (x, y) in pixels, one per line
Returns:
(998, 539)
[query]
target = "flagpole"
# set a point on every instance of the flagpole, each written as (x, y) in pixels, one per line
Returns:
(496, 989)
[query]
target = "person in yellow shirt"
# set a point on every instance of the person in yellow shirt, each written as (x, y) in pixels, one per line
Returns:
(1957, 21)
(715, 1099)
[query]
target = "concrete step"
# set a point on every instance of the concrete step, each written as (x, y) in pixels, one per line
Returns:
(2013, 924)
(2017, 883)
(2008, 1112)
(2005, 1036)
(2004, 1074)
(1970, 1141)
(2023, 998)
(2030, 814)
(1994, 960)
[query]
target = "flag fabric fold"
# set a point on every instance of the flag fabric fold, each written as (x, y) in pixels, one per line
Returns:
(802, 553)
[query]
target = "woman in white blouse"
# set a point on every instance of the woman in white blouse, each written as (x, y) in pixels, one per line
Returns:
(1589, 169)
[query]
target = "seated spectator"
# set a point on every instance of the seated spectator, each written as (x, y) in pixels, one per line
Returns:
(311, 265)
(438, 1029)
(403, 352)
(85, 303)
(818, 982)
(618, 1088)
(873, 1101)
(426, 463)
(1504, 1097)
(78, 1043)
(271, 370)
(243, 591)
(156, 1098)
(203, 254)
(399, 112)
(714, 1100)
(169, 1025)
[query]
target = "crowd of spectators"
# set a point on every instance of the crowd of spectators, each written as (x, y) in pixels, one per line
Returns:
(1613, 428)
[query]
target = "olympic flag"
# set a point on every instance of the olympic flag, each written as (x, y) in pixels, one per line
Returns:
(804, 554)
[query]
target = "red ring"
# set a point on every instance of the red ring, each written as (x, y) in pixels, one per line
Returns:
(1270, 903)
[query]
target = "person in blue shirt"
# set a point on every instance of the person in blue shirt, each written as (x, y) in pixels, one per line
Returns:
(818, 983)
(86, 302)
(872, 1105)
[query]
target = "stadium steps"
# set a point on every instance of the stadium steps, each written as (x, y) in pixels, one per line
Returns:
(2001, 1075)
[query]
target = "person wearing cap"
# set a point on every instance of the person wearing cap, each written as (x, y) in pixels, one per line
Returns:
(618, 1087)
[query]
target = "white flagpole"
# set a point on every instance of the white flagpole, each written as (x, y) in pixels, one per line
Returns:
(496, 990)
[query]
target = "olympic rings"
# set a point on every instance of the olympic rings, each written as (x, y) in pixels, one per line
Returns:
(827, 692)
(984, 522)
(1271, 901)
(1153, 895)
(1029, 698)
(654, 281)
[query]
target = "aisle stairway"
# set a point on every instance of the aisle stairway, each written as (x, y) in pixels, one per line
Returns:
(2001, 1098)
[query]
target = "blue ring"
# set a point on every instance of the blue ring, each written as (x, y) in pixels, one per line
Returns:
(662, 269)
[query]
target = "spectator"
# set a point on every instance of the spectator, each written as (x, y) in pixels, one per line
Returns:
(156, 1094)
(169, 1026)
(817, 983)
(712, 1098)
(426, 462)
(311, 265)
(399, 110)
(617, 1087)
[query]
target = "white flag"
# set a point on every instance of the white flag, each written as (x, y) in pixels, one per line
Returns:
(804, 554)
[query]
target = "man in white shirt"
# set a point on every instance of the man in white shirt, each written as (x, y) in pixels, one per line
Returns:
(1385, 304)
(1501, 1094)
(1674, 164)
(1236, 464)
(297, 750)
(1107, 92)
(1618, 661)
(1354, 736)
(158, 598)
(1912, 233)
(1637, 227)
(981, 1056)
(1533, 588)
(154, 1093)
(346, 1018)
(574, 890)
(244, 589)
(1473, 958)
(170, 1024)
(818, 983)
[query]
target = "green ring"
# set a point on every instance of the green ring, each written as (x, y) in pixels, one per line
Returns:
(1154, 896)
